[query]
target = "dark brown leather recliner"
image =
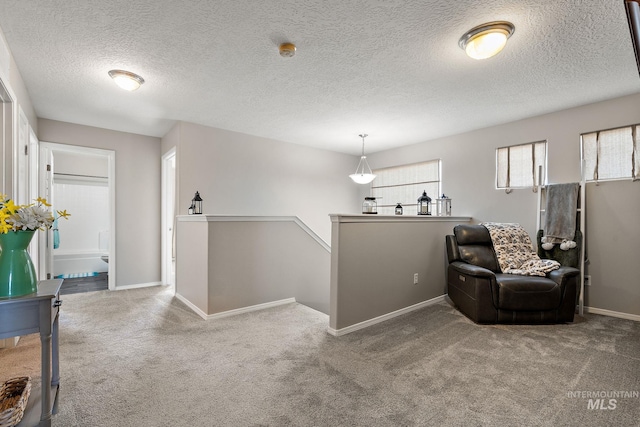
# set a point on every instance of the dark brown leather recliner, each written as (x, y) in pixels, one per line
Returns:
(480, 290)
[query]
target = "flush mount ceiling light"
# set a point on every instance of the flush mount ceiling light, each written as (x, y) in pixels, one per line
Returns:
(287, 50)
(486, 40)
(363, 174)
(126, 79)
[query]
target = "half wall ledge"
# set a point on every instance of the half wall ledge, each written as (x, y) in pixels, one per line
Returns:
(375, 262)
(233, 264)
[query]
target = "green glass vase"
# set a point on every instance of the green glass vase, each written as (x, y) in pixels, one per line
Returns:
(17, 273)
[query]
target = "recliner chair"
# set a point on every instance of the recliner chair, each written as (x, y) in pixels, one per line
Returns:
(480, 290)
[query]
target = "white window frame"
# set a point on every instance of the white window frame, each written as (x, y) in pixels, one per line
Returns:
(608, 146)
(535, 174)
(387, 206)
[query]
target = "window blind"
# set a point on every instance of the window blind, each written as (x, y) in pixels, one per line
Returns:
(517, 166)
(404, 184)
(611, 154)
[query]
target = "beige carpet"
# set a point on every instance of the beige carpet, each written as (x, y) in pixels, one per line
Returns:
(142, 358)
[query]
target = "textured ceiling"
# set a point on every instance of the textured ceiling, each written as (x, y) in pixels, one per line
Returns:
(390, 68)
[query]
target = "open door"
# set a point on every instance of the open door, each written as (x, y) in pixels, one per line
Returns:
(82, 181)
(45, 189)
(168, 217)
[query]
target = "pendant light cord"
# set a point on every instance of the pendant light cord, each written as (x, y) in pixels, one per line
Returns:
(363, 136)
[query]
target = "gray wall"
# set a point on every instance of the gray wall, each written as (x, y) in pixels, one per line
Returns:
(468, 176)
(239, 174)
(231, 263)
(373, 261)
(137, 194)
(12, 80)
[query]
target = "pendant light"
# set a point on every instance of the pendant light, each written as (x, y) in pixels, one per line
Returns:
(363, 173)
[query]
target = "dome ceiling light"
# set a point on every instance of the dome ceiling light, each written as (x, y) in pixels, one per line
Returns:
(486, 40)
(126, 79)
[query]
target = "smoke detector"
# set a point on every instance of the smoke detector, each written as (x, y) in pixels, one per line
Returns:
(287, 50)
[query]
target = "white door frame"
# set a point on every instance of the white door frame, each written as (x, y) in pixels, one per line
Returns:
(46, 148)
(8, 138)
(33, 150)
(168, 215)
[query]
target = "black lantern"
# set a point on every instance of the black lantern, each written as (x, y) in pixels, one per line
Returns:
(370, 206)
(424, 204)
(196, 204)
(398, 209)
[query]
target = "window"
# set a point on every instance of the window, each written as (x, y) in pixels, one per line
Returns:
(518, 166)
(404, 184)
(611, 154)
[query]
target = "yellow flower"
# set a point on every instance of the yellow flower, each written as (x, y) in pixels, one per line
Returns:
(64, 214)
(4, 225)
(10, 206)
(43, 201)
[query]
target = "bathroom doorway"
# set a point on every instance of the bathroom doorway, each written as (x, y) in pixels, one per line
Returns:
(80, 250)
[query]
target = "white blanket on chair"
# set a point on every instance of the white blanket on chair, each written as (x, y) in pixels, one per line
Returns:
(514, 251)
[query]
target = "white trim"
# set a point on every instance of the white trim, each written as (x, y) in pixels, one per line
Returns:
(251, 308)
(136, 285)
(384, 317)
(311, 233)
(240, 218)
(611, 313)
(9, 101)
(191, 306)
(111, 159)
(233, 312)
(166, 219)
(344, 218)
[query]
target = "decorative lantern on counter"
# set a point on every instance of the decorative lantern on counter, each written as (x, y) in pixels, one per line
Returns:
(424, 204)
(196, 205)
(443, 206)
(398, 209)
(370, 206)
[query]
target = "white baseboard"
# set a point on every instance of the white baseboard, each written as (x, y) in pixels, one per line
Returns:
(9, 342)
(236, 311)
(611, 313)
(384, 317)
(191, 306)
(137, 285)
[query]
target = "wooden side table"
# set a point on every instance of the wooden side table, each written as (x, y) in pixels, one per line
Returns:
(28, 314)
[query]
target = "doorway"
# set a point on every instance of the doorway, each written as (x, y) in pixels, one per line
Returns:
(80, 180)
(168, 217)
(6, 140)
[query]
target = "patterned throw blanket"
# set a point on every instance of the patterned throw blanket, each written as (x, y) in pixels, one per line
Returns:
(514, 251)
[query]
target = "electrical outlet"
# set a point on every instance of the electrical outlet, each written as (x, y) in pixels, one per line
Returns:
(415, 279)
(587, 280)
